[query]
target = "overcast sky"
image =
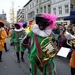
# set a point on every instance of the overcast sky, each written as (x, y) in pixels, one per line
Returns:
(6, 5)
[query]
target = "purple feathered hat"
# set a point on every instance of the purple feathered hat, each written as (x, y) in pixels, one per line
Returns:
(49, 18)
(20, 24)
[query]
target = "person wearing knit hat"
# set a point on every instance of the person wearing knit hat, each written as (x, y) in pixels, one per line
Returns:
(25, 24)
(16, 36)
(2, 38)
(40, 31)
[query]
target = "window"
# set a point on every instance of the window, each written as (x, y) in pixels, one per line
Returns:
(22, 16)
(48, 8)
(23, 11)
(60, 10)
(41, 9)
(45, 0)
(54, 0)
(54, 10)
(37, 11)
(30, 5)
(44, 9)
(30, 15)
(41, 1)
(26, 8)
(66, 9)
(36, 2)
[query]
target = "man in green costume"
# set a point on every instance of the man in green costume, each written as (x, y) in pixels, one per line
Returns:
(41, 30)
(16, 36)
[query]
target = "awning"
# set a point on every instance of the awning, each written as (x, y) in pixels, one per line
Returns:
(71, 17)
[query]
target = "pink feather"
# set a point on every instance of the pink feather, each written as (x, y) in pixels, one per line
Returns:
(20, 24)
(52, 17)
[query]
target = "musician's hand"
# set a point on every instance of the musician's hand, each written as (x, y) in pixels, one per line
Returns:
(45, 61)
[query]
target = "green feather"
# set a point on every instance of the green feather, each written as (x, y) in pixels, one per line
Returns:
(38, 15)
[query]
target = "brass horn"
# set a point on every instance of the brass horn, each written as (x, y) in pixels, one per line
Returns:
(48, 49)
(70, 42)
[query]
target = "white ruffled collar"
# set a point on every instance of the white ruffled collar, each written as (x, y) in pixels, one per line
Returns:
(18, 29)
(2, 28)
(42, 33)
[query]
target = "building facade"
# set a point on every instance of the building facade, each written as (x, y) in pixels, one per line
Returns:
(72, 5)
(4, 18)
(33, 7)
(62, 9)
(20, 15)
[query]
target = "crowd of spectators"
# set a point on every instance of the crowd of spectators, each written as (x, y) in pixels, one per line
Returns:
(59, 31)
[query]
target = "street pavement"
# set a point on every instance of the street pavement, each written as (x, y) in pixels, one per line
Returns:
(9, 66)
(62, 66)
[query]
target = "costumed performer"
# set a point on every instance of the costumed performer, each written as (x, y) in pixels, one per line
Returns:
(40, 31)
(2, 38)
(16, 36)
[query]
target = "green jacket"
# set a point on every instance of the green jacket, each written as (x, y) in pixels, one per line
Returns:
(33, 52)
(16, 37)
